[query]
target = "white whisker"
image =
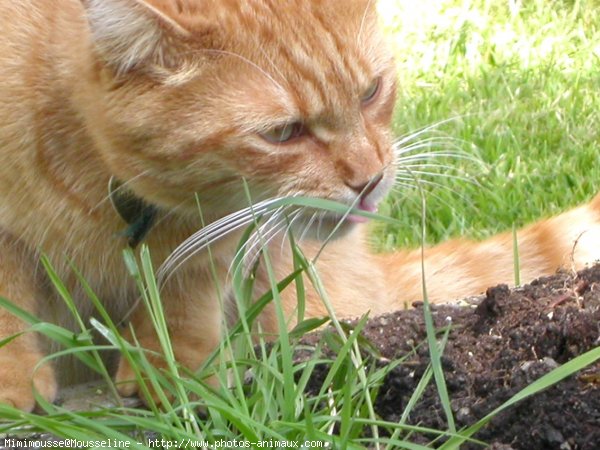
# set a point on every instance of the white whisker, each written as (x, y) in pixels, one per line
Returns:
(291, 218)
(428, 165)
(437, 154)
(321, 215)
(413, 183)
(440, 175)
(210, 234)
(426, 129)
(308, 226)
(257, 241)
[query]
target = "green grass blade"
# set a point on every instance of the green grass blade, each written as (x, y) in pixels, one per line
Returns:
(20, 313)
(516, 257)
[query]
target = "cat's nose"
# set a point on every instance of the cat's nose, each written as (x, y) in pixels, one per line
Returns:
(364, 189)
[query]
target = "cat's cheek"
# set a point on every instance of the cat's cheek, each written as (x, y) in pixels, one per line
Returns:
(207, 145)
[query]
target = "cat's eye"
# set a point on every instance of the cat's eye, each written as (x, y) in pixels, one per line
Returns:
(284, 133)
(370, 93)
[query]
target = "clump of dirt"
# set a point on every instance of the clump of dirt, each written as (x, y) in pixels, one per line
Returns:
(496, 347)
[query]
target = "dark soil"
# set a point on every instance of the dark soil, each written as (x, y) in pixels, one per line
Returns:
(496, 347)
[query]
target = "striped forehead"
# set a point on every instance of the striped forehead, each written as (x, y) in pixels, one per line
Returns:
(318, 59)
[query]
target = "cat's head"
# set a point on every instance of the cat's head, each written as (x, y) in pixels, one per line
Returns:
(192, 96)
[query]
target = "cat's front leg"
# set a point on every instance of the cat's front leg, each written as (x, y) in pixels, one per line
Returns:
(19, 358)
(194, 326)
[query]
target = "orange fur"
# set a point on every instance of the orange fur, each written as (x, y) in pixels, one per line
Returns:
(177, 98)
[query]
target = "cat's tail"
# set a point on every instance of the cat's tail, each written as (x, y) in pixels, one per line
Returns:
(460, 268)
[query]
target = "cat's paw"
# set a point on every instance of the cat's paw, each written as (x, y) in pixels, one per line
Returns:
(128, 385)
(17, 382)
(127, 379)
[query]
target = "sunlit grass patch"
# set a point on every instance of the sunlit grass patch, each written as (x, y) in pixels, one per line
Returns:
(517, 83)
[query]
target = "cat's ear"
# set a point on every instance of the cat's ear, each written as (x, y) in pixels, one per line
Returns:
(132, 33)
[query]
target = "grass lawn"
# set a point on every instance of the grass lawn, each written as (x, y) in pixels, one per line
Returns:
(518, 83)
(510, 87)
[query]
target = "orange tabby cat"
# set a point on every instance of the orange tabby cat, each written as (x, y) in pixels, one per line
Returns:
(175, 98)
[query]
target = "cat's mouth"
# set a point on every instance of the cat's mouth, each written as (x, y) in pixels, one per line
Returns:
(368, 202)
(363, 205)
(369, 198)
(322, 225)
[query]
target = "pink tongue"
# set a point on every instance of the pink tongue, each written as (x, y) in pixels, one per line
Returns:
(369, 208)
(364, 207)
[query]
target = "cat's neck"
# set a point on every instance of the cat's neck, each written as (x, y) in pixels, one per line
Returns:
(64, 156)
